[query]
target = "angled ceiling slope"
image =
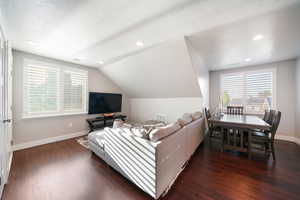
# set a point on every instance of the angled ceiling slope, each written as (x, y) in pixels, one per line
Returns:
(162, 71)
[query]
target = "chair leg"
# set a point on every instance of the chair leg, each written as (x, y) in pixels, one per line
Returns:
(273, 151)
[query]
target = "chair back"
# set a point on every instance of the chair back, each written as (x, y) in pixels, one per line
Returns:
(207, 116)
(207, 113)
(266, 115)
(275, 124)
(235, 110)
(271, 117)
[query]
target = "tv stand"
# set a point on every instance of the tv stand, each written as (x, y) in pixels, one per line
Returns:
(102, 122)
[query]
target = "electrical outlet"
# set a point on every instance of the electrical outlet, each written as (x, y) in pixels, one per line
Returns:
(70, 124)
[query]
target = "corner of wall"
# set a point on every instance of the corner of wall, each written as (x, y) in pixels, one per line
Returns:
(297, 117)
(201, 71)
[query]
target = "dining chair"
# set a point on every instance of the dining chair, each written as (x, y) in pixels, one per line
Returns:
(235, 110)
(271, 115)
(214, 132)
(266, 115)
(265, 140)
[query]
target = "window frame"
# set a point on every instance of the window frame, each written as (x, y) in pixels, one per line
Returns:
(245, 72)
(60, 88)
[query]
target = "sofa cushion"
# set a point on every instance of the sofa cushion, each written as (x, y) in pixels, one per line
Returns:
(196, 115)
(97, 137)
(185, 119)
(162, 132)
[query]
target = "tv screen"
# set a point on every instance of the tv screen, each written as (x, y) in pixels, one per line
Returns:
(104, 103)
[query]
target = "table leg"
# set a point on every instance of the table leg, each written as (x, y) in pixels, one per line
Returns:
(242, 138)
(249, 143)
(222, 139)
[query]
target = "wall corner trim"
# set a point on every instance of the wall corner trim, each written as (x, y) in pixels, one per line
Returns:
(35, 143)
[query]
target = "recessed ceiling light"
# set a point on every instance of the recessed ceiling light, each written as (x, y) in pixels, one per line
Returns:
(248, 59)
(139, 43)
(258, 37)
(32, 43)
(101, 62)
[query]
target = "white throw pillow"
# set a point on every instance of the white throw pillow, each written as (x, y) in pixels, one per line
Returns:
(196, 115)
(118, 123)
(140, 132)
(185, 119)
(162, 132)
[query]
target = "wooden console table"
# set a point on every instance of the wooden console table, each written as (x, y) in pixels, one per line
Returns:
(101, 122)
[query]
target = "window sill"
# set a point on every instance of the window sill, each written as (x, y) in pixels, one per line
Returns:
(53, 115)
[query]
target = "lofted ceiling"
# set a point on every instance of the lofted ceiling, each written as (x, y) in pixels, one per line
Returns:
(154, 73)
(232, 45)
(94, 30)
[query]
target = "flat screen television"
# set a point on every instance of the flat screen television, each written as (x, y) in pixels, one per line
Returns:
(101, 103)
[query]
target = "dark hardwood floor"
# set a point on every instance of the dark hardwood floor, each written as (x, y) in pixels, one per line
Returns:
(67, 171)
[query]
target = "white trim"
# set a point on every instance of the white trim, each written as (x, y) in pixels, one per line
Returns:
(35, 143)
(288, 138)
(53, 115)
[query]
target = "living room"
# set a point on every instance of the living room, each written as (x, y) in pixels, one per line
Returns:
(146, 99)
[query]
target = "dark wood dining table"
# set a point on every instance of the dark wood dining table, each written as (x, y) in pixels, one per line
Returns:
(237, 130)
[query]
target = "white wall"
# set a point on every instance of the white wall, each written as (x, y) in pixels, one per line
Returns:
(143, 109)
(29, 130)
(298, 99)
(286, 96)
(160, 80)
(162, 71)
(202, 72)
(3, 27)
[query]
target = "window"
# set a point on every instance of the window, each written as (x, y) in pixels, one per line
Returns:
(53, 90)
(254, 90)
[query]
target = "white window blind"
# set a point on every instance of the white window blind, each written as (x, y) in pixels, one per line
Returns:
(252, 90)
(53, 90)
(41, 89)
(74, 91)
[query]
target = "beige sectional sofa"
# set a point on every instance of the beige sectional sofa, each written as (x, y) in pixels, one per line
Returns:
(151, 165)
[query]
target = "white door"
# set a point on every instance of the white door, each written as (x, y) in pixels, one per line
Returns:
(2, 117)
(5, 112)
(8, 108)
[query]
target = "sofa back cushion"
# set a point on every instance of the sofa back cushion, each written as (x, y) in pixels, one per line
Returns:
(196, 115)
(185, 119)
(162, 132)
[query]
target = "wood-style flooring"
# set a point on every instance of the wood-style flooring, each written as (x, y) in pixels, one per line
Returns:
(67, 171)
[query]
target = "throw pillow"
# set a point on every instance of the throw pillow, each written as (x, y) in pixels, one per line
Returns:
(162, 132)
(118, 123)
(185, 119)
(196, 115)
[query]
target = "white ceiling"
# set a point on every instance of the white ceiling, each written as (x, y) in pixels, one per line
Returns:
(229, 45)
(97, 30)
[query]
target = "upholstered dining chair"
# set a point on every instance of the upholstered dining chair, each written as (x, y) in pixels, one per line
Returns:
(265, 140)
(235, 110)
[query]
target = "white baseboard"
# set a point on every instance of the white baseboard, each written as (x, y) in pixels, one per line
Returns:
(288, 138)
(27, 145)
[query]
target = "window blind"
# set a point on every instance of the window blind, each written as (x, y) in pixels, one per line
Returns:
(74, 91)
(53, 90)
(41, 89)
(252, 90)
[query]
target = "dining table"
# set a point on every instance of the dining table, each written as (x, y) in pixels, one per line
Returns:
(236, 130)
